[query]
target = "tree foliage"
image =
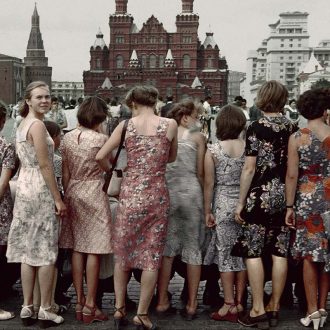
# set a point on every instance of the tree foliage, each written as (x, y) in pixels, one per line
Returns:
(321, 83)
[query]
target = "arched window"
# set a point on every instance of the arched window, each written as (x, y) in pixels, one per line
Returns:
(152, 61)
(209, 62)
(98, 63)
(143, 61)
(186, 61)
(161, 61)
(119, 62)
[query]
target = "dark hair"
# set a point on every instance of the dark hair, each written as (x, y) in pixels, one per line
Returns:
(244, 100)
(93, 111)
(291, 101)
(143, 95)
(238, 98)
(3, 112)
(230, 122)
(271, 96)
(314, 102)
(80, 100)
(24, 109)
(184, 108)
(113, 102)
(52, 128)
(53, 99)
(73, 102)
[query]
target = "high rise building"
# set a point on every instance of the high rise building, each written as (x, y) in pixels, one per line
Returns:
(36, 63)
(177, 63)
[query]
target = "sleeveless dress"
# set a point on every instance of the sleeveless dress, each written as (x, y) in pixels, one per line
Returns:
(7, 161)
(312, 204)
(226, 192)
(33, 235)
(140, 225)
(186, 228)
(87, 227)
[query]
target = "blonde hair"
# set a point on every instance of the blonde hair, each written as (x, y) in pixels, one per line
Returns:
(272, 96)
(24, 110)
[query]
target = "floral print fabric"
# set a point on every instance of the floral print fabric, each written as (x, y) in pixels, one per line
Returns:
(33, 235)
(226, 191)
(7, 160)
(312, 203)
(87, 227)
(140, 226)
(186, 228)
(264, 230)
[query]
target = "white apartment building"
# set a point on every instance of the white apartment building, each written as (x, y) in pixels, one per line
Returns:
(67, 90)
(322, 53)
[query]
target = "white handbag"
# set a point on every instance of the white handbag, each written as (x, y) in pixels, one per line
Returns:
(115, 183)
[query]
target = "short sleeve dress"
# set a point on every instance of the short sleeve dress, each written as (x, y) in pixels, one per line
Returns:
(312, 202)
(33, 235)
(226, 191)
(265, 231)
(87, 227)
(7, 160)
(140, 226)
(186, 228)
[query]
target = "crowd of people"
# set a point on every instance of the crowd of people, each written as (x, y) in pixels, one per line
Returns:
(250, 201)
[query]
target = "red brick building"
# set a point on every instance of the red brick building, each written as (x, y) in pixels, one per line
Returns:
(177, 63)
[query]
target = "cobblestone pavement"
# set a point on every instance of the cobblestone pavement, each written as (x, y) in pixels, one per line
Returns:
(288, 318)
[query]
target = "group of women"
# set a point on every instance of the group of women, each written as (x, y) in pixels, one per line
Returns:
(254, 192)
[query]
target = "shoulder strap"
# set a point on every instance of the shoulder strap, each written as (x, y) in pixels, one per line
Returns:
(21, 134)
(122, 138)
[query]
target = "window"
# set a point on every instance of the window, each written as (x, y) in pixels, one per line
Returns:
(282, 40)
(186, 61)
(281, 58)
(152, 61)
(186, 39)
(119, 40)
(299, 57)
(298, 30)
(281, 70)
(290, 57)
(290, 45)
(281, 64)
(161, 61)
(209, 62)
(299, 45)
(153, 40)
(282, 45)
(98, 63)
(119, 62)
(143, 61)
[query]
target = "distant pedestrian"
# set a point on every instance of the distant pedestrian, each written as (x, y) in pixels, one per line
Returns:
(33, 236)
(165, 109)
(71, 115)
(56, 113)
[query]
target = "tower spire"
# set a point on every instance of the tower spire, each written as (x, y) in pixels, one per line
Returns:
(121, 7)
(187, 6)
(35, 39)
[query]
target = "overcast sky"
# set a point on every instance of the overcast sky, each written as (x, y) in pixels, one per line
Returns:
(69, 27)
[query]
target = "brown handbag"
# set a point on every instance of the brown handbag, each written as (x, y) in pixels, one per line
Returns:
(108, 175)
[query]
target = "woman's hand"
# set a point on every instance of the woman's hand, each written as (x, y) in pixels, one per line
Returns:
(238, 211)
(60, 208)
(210, 220)
(290, 218)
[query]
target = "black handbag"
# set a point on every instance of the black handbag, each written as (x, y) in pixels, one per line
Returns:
(108, 175)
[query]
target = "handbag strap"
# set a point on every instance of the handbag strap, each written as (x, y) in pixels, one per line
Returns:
(122, 138)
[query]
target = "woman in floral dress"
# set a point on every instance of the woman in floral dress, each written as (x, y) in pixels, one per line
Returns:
(186, 228)
(7, 164)
(261, 205)
(87, 229)
(224, 161)
(140, 226)
(34, 231)
(308, 199)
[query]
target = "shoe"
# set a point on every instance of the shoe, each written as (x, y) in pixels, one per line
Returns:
(229, 316)
(122, 320)
(168, 312)
(261, 321)
(188, 316)
(142, 326)
(324, 315)
(79, 308)
(4, 315)
(92, 316)
(48, 319)
(273, 318)
(314, 317)
(27, 315)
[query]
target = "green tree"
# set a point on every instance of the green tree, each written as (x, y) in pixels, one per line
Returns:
(321, 83)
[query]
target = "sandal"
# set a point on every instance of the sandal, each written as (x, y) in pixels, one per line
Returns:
(47, 318)
(79, 308)
(122, 320)
(92, 316)
(142, 326)
(28, 315)
(4, 315)
(229, 316)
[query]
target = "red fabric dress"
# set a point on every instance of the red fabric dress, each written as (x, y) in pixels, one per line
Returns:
(140, 227)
